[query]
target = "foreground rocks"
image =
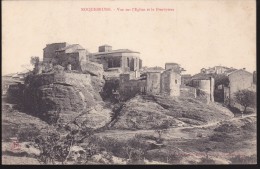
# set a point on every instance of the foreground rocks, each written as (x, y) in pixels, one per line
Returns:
(51, 94)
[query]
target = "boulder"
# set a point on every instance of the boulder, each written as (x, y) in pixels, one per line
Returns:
(92, 68)
(48, 95)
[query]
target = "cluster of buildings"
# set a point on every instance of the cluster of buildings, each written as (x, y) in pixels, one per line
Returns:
(234, 80)
(122, 64)
(125, 66)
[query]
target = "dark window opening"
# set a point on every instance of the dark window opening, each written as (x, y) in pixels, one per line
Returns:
(128, 62)
(114, 63)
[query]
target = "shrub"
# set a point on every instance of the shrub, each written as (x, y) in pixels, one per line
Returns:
(110, 145)
(246, 98)
(206, 161)
(164, 155)
(220, 137)
(9, 130)
(249, 127)
(244, 159)
(227, 128)
(28, 133)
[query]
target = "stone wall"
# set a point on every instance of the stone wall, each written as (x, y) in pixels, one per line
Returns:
(170, 83)
(239, 80)
(205, 85)
(128, 88)
(123, 60)
(69, 58)
(49, 51)
(153, 84)
(188, 91)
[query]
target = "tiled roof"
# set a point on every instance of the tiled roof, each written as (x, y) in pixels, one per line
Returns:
(186, 75)
(238, 71)
(70, 46)
(201, 76)
(230, 70)
(115, 51)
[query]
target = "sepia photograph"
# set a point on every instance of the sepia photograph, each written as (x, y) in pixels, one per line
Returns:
(129, 82)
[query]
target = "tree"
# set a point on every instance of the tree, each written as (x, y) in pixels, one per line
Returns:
(161, 129)
(35, 60)
(136, 150)
(246, 98)
(221, 79)
(55, 147)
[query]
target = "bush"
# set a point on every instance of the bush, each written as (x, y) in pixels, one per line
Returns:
(249, 127)
(220, 137)
(28, 133)
(164, 155)
(244, 159)
(206, 161)
(246, 98)
(227, 128)
(110, 145)
(234, 110)
(8, 131)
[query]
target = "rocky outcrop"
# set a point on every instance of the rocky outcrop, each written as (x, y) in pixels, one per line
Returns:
(50, 95)
(139, 113)
(92, 68)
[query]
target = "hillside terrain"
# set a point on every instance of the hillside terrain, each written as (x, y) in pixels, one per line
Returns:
(147, 112)
(126, 132)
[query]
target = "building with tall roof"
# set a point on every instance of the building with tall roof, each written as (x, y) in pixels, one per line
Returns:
(238, 80)
(65, 54)
(120, 60)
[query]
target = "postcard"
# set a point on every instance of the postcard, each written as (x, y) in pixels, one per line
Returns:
(142, 82)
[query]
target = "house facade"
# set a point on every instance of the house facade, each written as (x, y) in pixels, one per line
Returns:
(238, 80)
(121, 60)
(205, 83)
(216, 70)
(65, 54)
(153, 83)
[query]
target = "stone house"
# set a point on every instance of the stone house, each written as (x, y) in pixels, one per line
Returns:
(170, 83)
(205, 83)
(120, 61)
(152, 83)
(167, 82)
(216, 70)
(65, 54)
(174, 66)
(238, 80)
(129, 87)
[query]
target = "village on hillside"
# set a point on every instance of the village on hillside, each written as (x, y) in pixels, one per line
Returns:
(79, 107)
(125, 67)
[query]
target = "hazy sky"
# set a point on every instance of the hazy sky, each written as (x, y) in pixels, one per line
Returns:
(198, 33)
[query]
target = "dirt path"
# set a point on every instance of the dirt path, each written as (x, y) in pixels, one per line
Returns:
(172, 132)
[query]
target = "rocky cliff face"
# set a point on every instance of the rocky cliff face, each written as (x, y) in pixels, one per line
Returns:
(53, 95)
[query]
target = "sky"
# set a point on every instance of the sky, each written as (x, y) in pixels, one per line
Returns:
(195, 33)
